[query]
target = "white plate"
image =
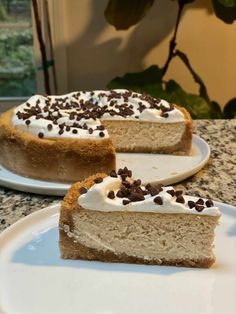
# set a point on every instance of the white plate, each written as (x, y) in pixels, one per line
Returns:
(153, 168)
(34, 280)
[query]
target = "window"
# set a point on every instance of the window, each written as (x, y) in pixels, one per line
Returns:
(17, 67)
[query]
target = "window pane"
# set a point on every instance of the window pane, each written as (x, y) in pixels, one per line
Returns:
(17, 68)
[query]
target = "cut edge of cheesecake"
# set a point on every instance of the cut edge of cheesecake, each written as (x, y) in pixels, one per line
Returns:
(151, 137)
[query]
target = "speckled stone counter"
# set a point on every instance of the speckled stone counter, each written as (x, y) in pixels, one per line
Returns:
(217, 180)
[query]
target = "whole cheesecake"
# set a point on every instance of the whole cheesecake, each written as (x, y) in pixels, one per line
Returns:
(115, 218)
(68, 138)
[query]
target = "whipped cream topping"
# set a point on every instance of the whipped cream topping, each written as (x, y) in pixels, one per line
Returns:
(102, 196)
(80, 114)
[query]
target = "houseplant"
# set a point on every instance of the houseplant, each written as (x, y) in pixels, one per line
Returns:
(123, 14)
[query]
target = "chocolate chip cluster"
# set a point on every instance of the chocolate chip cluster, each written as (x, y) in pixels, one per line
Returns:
(133, 191)
(80, 110)
(200, 204)
(78, 113)
(130, 191)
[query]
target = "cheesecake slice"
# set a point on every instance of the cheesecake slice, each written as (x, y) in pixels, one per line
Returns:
(115, 218)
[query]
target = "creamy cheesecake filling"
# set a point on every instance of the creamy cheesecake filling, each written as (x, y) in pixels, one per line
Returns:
(81, 114)
(97, 198)
(142, 134)
(147, 237)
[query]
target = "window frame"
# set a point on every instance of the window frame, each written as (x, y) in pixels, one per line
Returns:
(56, 10)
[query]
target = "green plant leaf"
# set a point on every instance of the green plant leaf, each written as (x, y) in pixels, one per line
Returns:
(147, 80)
(202, 88)
(150, 81)
(230, 109)
(122, 13)
(183, 2)
(216, 112)
(223, 12)
(197, 106)
(3, 14)
(228, 3)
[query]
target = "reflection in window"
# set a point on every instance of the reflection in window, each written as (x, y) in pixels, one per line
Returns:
(17, 68)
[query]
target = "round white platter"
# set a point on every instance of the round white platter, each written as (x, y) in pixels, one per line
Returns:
(35, 280)
(152, 168)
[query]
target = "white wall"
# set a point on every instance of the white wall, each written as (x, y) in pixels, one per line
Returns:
(96, 52)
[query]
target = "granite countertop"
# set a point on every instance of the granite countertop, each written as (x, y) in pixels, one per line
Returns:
(217, 180)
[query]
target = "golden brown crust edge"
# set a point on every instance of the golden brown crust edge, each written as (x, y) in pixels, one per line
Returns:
(188, 135)
(70, 203)
(62, 160)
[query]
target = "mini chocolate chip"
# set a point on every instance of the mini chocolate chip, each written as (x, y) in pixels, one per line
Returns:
(27, 122)
(111, 195)
(180, 199)
(60, 132)
(40, 135)
(199, 208)
(153, 191)
(68, 128)
(119, 194)
(120, 171)
(101, 134)
(125, 202)
(113, 174)
(165, 115)
(82, 190)
(98, 180)
(90, 130)
(125, 191)
(75, 131)
(71, 116)
(171, 192)
(200, 201)
(209, 203)
(3, 221)
(148, 186)
(49, 127)
(100, 127)
(126, 184)
(123, 177)
(158, 200)
(178, 193)
(191, 204)
(136, 197)
(137, 182)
